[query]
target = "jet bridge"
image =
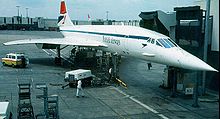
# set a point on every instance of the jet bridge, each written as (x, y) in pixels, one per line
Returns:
(159, 21)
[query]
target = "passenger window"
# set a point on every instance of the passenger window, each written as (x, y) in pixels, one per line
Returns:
(153, 41)
(7, 56)
(13, 57)
(10, 56)
(18, 57)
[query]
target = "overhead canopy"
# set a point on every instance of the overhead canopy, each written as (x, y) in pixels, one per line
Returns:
(148, 15)
(158, 21)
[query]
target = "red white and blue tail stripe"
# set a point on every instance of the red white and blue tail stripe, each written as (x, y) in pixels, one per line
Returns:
(64, 19)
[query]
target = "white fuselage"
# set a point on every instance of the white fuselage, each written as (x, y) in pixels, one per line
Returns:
(117, 39)
(134, 41)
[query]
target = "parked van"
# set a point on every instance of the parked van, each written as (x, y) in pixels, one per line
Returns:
(15, 60)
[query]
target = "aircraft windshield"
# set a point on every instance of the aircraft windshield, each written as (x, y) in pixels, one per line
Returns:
(167, 43)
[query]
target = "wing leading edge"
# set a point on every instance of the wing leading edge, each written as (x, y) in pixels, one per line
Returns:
(59, 41)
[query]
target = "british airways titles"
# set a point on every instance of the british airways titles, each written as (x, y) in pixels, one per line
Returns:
(111, 40)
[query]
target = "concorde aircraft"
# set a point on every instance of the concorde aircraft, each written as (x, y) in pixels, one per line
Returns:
(130, 41)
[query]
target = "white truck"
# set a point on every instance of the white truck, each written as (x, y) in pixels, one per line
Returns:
(80, 74)
(4, 110)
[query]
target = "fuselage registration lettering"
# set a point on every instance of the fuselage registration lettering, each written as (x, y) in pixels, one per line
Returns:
(111, 40)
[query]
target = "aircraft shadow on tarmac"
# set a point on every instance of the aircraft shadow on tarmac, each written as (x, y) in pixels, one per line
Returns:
(48, 62)
(42, 61)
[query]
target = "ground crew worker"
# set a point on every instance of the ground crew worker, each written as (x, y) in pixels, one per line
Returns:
(23, 62)
(10, 116)
(79, 89)
(110, 73)
(149, 65)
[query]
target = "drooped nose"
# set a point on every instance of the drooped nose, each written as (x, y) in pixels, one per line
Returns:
(189, 61)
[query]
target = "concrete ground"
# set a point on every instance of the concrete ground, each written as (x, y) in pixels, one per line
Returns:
(142, 99)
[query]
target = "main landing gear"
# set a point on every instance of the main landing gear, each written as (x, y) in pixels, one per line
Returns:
(58, 58)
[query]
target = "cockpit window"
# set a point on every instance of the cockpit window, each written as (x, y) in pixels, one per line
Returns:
(167, 43)
(157, 43)
(173, 42)
(170, 43)
(164, 43)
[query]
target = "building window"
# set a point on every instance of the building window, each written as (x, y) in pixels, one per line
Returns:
(5, 20)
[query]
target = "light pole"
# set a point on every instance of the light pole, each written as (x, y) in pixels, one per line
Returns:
(107, 15)
(27, 12)
(18, 19)
(206, 42)
(18, 10)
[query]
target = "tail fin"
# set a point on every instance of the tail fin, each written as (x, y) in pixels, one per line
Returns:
(64, 19)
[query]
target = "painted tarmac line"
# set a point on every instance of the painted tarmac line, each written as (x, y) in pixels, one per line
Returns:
(53, 51)
(143, 105)
(48, 53)
(140, 103)
(164, 117)
(62, 56)
(55, 54)
(17, 82)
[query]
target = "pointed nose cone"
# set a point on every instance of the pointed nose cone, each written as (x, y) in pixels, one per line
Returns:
(201, 65)
(189, 61)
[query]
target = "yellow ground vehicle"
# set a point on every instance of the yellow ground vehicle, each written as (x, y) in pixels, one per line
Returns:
(15, 60)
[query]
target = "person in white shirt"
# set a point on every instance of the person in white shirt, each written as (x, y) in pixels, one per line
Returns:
(79, 89)
(110, 73)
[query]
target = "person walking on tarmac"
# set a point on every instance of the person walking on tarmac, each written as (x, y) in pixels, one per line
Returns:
(23, 62)
(149, 65)
(79, 89)
(110, 73)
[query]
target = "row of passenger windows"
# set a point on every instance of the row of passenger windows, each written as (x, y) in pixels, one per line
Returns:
(14, 57)
(162, 42)
(10, 56)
